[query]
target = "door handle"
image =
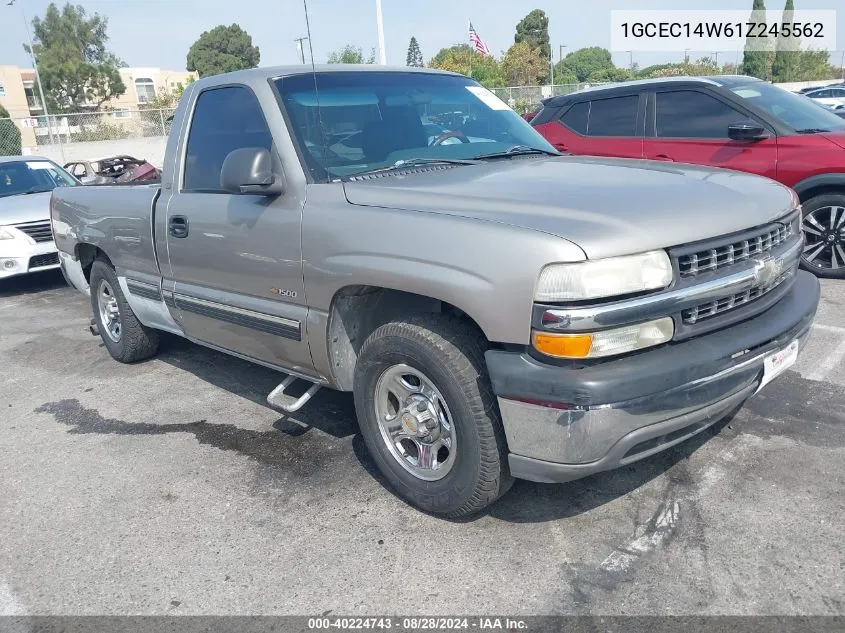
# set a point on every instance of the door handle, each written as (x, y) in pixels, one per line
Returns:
(663, 157)
(178, 226)
(561, 147)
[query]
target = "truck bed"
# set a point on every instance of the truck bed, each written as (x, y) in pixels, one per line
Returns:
(118, 218)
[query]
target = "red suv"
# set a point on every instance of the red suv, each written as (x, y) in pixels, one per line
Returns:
(733, 122)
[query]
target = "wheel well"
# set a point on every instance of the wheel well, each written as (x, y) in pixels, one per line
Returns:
(820, 190)
(86, 254)
(359, 310)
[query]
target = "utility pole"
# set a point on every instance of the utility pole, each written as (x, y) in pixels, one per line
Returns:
(38, 79)
(382, 54)
(842, 66)
(686, 55)
(716, 60)
(562, 46)
(631, 62)
(301, 48)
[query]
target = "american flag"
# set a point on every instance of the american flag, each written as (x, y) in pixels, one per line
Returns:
(477, 42)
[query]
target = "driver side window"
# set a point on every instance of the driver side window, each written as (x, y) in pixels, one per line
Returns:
(693, 114)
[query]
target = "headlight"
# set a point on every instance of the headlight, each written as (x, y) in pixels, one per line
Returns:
(604, 277)
(605, 343)
(6, 234)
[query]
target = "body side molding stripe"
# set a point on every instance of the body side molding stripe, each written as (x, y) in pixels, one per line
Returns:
(268, 323)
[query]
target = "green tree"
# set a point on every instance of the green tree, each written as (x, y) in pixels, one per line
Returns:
(414, 57)
(350, 54)
(812, 65)
(702, 66)
(76, 68)
(584, 63)
(757, 59)
(533, 30)
(786, 56)
(523, 65)
(485, 69)
(10, 135)
(223, 49)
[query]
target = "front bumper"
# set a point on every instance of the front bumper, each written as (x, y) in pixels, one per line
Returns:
(563, 423)
(19, 257)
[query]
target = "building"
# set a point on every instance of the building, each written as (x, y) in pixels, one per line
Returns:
(19, 96)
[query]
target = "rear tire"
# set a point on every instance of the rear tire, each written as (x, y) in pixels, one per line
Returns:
(442, 357)
(126, 339)
(824, 245)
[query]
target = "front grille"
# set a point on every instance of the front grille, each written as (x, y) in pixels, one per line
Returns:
(39, 231)
(691, 264)
(39, 261)
(710, 309)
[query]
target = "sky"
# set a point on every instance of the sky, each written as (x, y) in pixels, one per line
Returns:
(158, 33)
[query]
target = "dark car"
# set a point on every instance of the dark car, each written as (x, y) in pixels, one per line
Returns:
(733, 122)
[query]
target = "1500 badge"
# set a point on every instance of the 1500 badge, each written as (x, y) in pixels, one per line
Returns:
(281, 292)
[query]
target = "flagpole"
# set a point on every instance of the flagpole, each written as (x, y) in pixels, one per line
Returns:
(471, 47)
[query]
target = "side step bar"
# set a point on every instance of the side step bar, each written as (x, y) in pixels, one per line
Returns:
(279, 399)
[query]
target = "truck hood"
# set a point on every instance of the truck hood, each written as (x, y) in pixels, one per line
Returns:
(33, 207)
(606, 206)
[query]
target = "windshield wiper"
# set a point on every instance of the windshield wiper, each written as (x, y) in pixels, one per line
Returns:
(411, 162)
(812, 130)
(517, 150)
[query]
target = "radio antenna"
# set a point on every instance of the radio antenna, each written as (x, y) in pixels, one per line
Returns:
(316, 90)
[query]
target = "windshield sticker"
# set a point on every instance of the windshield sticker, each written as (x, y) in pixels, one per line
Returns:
(488, 98)
(38, 164)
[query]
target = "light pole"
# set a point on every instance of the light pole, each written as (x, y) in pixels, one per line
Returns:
(301, 48)
(382, 54)
(686, 55)
(631, 63)
(38, 80)
(842, 66)
(716, 60)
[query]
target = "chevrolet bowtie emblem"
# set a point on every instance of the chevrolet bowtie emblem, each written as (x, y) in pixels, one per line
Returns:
(767, 270)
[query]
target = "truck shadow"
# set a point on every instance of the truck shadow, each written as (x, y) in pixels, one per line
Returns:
(32, 283)
(329, 411)
(333, 413)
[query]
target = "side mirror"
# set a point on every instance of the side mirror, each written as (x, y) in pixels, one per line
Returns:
(249, 170)
(747, 132)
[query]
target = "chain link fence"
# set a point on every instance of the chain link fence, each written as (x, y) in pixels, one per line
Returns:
(81, 136)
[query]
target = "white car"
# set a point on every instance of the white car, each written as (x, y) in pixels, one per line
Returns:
(26, 238)
(830, 96)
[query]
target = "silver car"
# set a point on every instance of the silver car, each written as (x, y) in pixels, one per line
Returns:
(26, 238)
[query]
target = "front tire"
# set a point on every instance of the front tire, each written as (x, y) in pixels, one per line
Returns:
(824, 236)
(428, 415)
(126, 338)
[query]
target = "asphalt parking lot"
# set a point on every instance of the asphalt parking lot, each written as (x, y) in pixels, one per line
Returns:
(169, 487)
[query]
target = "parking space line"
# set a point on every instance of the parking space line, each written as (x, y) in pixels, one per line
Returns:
(829, 328)
(820, 371)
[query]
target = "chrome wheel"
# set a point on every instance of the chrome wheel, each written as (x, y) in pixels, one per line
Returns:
(109, 310)
(415, 422)
(824, 238)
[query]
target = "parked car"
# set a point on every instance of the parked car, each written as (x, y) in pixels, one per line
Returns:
(498, 310)
(831, 96)
(738, 123)
(113, 169)
(26, 238)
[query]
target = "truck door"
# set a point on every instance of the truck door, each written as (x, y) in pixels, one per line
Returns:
(235, 261)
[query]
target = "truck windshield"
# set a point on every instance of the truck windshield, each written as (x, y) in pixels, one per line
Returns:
(360, 121)
(796, 111)
(32, 176)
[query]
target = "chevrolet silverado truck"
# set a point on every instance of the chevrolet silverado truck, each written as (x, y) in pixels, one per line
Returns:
(498, 310)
